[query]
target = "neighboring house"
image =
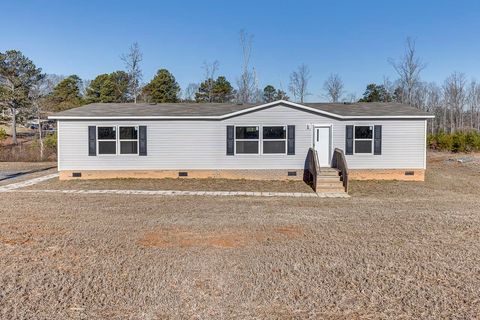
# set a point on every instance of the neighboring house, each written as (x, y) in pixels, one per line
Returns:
(263, 141)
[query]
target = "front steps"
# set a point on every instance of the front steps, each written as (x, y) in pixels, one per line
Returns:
(329, 180)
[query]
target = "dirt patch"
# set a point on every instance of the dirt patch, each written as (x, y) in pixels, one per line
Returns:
(15, 241)
(225, 238)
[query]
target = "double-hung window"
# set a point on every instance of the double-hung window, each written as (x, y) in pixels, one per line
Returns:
(247, 140)
(363, 136)
(123, 138)
(274, 139)
(128, 140)
(107, 140)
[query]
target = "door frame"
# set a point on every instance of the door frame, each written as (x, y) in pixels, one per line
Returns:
(330, 127)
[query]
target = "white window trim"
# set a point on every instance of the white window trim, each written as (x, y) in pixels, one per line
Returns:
(126, 140)
(286, 140)
(235, 140)
(105, 140)
(371, 140)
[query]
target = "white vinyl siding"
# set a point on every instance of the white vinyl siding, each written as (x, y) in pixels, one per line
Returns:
(201, 144)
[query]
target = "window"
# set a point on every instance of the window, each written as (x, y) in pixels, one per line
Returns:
(363, 139)
(274, 139)
(128, 140)
(107, 140)
(246, 140)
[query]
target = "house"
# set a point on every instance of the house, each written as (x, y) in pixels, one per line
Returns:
(251, 141)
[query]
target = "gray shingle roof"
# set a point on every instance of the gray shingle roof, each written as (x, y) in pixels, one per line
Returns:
(364, 109)
(153, 110)
(218, 110)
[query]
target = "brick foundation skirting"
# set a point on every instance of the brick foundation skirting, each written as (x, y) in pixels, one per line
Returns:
(388, 174)
(184, 174)
(355, 174)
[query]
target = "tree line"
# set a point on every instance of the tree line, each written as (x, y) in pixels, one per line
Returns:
(25, 90)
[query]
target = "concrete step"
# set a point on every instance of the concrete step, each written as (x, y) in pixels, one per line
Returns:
(336, 190)
(321, 179)
(337, 184)
(328, 173)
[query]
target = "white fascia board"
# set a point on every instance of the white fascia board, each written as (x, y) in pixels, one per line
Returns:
(130, 117)
(270, 104)
(218, 117)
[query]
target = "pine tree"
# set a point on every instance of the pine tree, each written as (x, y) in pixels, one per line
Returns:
(162, 88)
(269, 94)
(66, 94)
(219, 90)
(18, 75)
(111, 87)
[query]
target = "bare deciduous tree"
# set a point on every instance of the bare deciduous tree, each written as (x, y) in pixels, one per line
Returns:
(299, 82)
(434, 105)
(132, 64)
(408, 70)
(189, 93)
(350, 98)
(210, 69)
(334, 87)
(474, 104)
(37, 94)
(246, 84)
(455, 97)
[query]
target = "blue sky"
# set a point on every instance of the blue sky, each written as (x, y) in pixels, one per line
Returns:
(352, 38)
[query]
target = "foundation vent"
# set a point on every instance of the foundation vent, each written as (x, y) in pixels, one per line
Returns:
(76, 174)
(292, 173)
(409, 173)
(183, 174)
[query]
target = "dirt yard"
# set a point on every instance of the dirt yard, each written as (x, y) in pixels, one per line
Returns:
(394, 250)
(177, 184)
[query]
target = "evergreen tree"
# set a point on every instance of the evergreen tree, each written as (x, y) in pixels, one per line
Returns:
(219, 90)
(18, 75)
(269, 94)
(376, 93)
(205, 91)
(223, 90)
(281, 95)
(66, 94)
(111, 87)
(162, 88)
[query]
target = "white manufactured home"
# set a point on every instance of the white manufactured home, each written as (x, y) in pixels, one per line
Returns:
(263, 141)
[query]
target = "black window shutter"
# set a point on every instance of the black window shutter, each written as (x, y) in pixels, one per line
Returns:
(92, 140)
(377, 146)
(291, 140)
(142, 141)
(230, 140)
(348, 139)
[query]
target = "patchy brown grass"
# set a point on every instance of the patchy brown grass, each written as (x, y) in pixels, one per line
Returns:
(177, 184)
(25, 166)
(395, 250)
(225, 238)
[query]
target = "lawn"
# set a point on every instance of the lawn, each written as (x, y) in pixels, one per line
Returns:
(393, 250)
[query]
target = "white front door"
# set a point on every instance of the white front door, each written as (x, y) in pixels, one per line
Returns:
(322, 144)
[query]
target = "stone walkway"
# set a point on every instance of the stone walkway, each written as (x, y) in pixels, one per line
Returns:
(199, 193)
(26, 183)
(14, 187)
